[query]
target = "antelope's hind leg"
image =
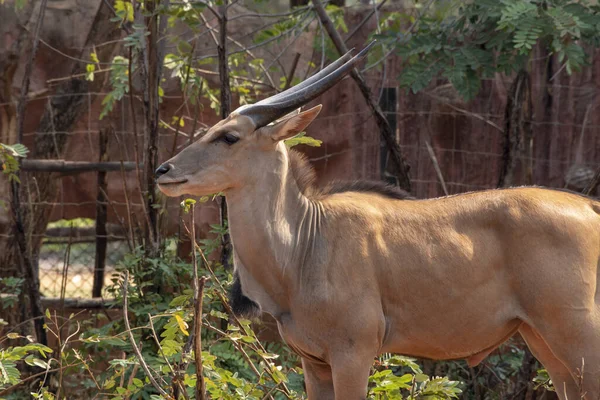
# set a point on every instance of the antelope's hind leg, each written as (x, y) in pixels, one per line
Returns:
(575, 340)
(564, 383)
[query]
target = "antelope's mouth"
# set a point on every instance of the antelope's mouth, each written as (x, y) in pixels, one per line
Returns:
(171, 183)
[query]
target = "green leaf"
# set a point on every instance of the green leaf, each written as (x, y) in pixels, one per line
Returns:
(187, 204)
(90, 68)
(302, 139)
(182, 324)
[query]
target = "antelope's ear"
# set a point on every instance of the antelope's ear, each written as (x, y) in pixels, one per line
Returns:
(290, 127)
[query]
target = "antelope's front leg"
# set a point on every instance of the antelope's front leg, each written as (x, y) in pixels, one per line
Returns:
(351, 375)
(318, 379)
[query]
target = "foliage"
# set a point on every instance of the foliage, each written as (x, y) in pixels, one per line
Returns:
(9, 155)
(301, 138)
(411, 384)
(542, 379)
(119, 81)
(476, 39)
(10, 289)
(163, 322)
(10, 356)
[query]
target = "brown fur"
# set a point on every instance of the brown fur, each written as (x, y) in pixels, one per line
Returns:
(305, 176)
(353, 270)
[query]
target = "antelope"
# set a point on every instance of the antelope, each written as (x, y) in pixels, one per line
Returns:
(354, 270)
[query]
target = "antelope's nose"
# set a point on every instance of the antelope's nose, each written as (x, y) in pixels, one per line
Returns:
(163, 169)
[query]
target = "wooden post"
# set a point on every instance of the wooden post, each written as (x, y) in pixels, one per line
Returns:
(75, 167)
(101, 217)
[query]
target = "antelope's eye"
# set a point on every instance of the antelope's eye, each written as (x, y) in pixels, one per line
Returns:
(229, 138)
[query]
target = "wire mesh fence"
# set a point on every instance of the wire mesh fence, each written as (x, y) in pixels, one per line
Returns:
(72, 265)
(452, 147)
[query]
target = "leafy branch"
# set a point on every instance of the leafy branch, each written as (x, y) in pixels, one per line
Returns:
(468, 42)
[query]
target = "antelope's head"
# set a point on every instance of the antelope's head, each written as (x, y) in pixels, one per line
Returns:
(236, 150)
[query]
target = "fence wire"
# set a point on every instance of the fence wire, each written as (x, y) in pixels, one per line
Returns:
(72, 265)
(466, 141)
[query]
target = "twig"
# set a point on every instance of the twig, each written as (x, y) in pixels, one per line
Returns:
(235, 318)
(593, 184)
(134, 371)
(288, 80)
(277, 58)
(254, 46)
(127, 202)
(364, 21)
(34, 376)
(434, 160)
(466, 112)
(408, 32)
(197, 332)
(27, 73)
(198, 293)
(136, 349)
(436, 166)
(184, 98)
(236, 345)
(176, 374)
(244, 49)
(274, 15)
(65, 272)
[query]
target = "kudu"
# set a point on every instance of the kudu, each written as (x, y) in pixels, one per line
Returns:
(355, 270)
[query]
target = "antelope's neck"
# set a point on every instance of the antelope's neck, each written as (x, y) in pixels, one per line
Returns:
(273, 227)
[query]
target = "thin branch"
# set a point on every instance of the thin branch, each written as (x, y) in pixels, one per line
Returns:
(198, 295)
(136, 349)
(364, 21)
(274, 15)
(243, 49)
(277, 58)
(593, 184)
(257, 45)
(238, 77)
(408, 32)
(162, 353)
(229, 311)
(436, 166)
(35, 376)
(466, 112)
(288, 80)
